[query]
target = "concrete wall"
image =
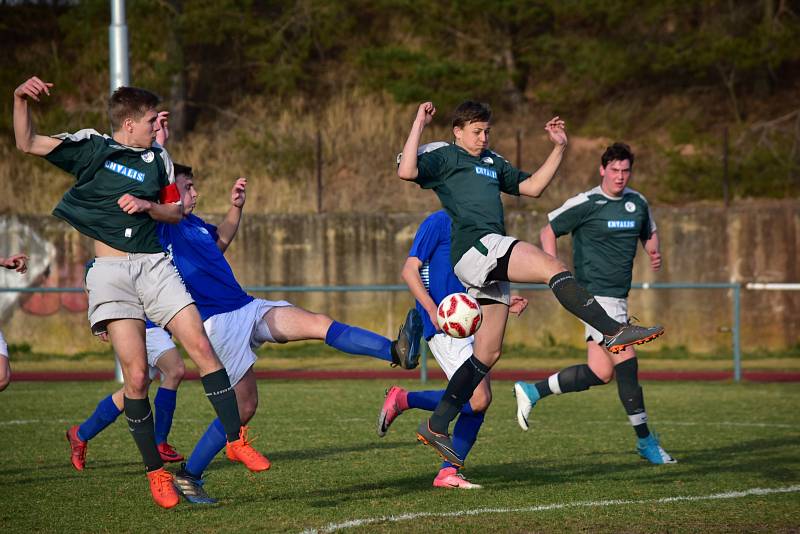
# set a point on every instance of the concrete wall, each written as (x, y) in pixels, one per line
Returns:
(753, 241)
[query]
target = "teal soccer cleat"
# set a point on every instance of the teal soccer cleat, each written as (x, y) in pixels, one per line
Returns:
(526, 395)
(650, 449)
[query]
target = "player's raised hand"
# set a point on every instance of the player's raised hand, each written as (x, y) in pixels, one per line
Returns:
(131, 204)
(238, 193)
(518, 305)
(162, 121)
(425, 113)
(33, 88)
(18, 262)
(556, 130)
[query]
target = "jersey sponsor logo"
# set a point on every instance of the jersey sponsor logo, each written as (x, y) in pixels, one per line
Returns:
(118, 168)
(630, 207)
(490, 173)
(622, 224)
(148, 156)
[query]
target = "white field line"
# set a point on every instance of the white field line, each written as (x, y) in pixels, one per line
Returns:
(333, 527)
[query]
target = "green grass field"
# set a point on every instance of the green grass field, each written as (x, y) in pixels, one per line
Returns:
(576, 469)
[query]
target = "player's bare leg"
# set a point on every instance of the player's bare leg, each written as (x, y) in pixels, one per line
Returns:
(292, 323)
(127, 336)
(187, 327)
(530, 264)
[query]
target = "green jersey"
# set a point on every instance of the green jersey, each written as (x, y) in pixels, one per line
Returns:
(469, 189)
(106, 170)
(605, 235)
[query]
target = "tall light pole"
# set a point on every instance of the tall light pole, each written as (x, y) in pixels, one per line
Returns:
(119, 76)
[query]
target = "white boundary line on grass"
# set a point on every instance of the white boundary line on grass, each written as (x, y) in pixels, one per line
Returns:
(333, 527)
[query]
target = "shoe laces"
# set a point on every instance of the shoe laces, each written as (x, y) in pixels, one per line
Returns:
(247, 442)
(162, 479)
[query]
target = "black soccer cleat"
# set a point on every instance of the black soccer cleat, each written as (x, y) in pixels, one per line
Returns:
(631, 334)
(405, 349)
(191, 488)
(441, 443)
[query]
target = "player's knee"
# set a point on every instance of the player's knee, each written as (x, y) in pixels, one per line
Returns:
(137, 382)
(604, 375)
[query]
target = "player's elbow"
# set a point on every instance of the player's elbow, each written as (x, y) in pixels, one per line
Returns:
(406, 174)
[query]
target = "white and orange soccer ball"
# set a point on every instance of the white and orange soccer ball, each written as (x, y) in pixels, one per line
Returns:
(459, 315)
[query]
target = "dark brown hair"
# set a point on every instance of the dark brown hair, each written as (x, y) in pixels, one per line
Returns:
(130, 102)
(616, 152)
(471, 111)
(182, 169)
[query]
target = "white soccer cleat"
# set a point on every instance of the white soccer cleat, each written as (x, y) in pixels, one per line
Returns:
(526, 396)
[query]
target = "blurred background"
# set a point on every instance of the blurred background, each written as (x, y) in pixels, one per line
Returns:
(312, 100)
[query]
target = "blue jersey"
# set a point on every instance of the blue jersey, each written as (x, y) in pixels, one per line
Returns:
(432, 247)
(192, 243)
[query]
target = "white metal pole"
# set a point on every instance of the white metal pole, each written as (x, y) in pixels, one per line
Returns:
(119, 75)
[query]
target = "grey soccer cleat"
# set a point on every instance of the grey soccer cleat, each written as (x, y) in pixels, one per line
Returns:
(441, 443)
(191, 488)
(405, 349)
(631, 334)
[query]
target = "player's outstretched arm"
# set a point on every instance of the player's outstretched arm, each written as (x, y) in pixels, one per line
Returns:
(548, 239)
(166, 213)
(27, 139)
(653, 248)
(18, 262)
(538, 182)
(227, 229)
(413, 280)
(407, 168)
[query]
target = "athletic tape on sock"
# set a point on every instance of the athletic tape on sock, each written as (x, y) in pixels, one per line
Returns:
(638, 419)
(552, 382)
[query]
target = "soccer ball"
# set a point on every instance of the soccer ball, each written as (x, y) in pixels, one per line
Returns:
(459, 315)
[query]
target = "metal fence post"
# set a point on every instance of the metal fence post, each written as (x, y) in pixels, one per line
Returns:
(737, 351)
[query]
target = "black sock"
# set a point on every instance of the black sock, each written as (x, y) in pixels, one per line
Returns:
(577, 378)
(140, 423)
(543, 388)
(580, 303)
(630, 393)
(223, 399)
(459, 390)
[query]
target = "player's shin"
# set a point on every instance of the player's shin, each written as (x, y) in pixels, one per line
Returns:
(219, 391)
(465, 432)
(459, 390)
(630, 393)
(164, 405)
(354, 340)
(575, 299)
(104, 414)
(140, 422)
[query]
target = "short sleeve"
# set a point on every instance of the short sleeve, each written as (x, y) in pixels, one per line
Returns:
(430, 166)
(427, 238)
(510, 178)
(570, 215)
(76, 151)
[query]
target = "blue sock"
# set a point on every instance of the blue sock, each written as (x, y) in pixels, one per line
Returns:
(210, 444)
(164, 405)
(354, 340)
(465, 432)
(105, 414)
(428, 400)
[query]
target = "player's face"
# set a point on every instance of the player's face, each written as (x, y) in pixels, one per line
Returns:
(187, 191)
(142, 132)
(615, 177)
(473, 137)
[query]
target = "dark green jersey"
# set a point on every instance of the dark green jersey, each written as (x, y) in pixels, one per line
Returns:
(469, 189)
(106, 170)
(605, 235)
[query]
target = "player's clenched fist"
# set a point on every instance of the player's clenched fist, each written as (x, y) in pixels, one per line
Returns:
(131, 204)
(425, 113)
(237, 193)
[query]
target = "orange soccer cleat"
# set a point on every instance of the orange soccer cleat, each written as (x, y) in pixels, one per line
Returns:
(162, 488)
(77, 448)
(241, 450)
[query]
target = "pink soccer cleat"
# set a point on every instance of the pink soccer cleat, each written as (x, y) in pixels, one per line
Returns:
(449, 477)
(391, 408)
